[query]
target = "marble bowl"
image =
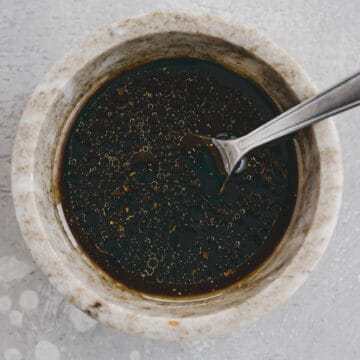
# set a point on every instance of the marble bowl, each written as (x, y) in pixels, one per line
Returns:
(35, 159)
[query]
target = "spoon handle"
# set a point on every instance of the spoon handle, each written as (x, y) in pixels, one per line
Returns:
(338, 98)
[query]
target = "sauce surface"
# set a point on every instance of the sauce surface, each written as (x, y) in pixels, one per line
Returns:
(149, 212)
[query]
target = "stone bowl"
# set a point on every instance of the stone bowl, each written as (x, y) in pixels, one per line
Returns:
(40, 134)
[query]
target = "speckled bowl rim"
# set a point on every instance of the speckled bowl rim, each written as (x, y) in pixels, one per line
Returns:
(301, 264)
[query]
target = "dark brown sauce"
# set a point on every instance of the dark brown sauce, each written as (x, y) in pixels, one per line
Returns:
(148, 211)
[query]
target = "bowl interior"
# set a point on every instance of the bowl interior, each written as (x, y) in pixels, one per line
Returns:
(52, 134)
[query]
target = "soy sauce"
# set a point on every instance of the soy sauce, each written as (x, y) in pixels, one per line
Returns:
(149, 212)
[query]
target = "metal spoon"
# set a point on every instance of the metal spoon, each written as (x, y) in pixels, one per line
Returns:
(340, 97)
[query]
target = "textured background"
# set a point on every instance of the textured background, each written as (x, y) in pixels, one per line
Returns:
(321, 321)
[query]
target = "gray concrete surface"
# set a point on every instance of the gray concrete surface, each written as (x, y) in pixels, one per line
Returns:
(321, 321)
